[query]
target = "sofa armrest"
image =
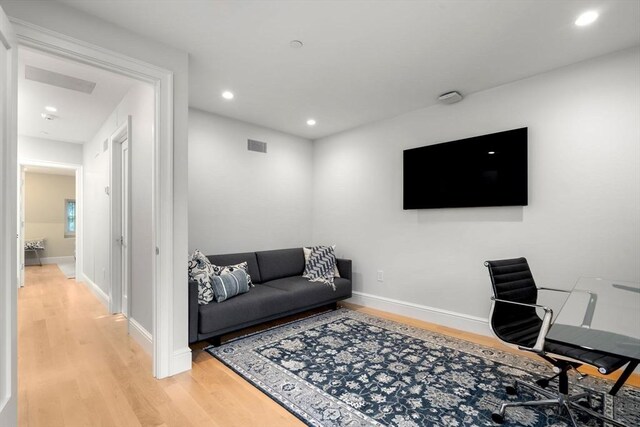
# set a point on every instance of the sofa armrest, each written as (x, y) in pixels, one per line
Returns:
(193, 311)
(344, 267)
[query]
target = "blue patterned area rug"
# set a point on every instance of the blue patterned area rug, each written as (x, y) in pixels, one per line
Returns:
(345, 368)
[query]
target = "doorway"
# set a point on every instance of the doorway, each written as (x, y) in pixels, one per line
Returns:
(167, 358)
(50, 204)
(101, 123)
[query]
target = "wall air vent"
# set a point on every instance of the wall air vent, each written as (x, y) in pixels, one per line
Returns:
(56, 79)
(258, 146)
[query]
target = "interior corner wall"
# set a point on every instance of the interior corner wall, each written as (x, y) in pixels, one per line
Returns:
(583, 217)
(139, 102)
(241, 200)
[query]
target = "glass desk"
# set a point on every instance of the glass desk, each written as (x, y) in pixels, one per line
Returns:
(602, 315)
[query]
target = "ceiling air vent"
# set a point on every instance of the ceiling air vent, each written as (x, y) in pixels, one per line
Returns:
(56, 79)
(258, 146)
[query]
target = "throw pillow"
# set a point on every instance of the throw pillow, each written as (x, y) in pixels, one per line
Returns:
(200, 271)
(228, 285)
(307, 254)
(321, 265)
(34, 244)
(225, 269)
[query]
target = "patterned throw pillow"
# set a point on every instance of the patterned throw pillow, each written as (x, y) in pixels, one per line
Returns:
(201, 271)
(225, 269)
(307, 254)
(228, 285)
(34, 244)
(321, 265)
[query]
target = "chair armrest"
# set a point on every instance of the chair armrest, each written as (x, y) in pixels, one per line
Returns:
(193, 311)
(542, 288)
(538, 347)
(344, 267)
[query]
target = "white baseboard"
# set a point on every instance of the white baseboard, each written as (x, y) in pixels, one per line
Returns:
(180, 361)
(99, 293)
(141, 336)
(452, 319)
(51, 260)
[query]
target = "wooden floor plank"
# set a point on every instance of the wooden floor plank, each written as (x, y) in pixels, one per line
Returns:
(78, 367)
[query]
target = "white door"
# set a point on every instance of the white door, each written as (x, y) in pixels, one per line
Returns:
(21, 227)
(120, 206)
(8, 223)
(124, 193)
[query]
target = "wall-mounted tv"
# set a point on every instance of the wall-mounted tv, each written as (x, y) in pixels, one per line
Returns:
(487, 170)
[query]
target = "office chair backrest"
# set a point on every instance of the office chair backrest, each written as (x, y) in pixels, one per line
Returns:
(512, 280)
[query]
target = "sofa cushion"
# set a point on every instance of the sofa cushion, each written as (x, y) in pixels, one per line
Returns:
(230, 259)
(280, 263)
(258, 303)
(305, 292)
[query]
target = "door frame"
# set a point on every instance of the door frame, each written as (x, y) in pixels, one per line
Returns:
(22, 162)
(8, 226)
(52, 42)
(123, 133)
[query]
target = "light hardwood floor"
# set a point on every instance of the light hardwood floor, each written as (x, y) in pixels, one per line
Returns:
(78, 367)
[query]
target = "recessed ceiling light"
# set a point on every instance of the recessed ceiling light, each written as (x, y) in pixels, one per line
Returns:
(47, 116)
(492, 152)
(51, 109)
(587, 18)
(227, 95)
(311, 122)
(295, 44)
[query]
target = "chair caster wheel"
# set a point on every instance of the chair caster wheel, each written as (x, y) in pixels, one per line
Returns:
(543, 382)
(497, 418)
(511, 390)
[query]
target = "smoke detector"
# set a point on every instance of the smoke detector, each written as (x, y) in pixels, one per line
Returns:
(450, 97)
(48, 116)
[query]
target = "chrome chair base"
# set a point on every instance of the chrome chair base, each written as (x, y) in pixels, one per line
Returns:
(562, 401)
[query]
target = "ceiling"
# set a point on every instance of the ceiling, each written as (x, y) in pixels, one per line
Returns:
(79, 114)
(364, 61)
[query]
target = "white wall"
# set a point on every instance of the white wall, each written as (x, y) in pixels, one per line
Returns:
(81, 26)
(139, 103)
(241, 200)
(583, 217)
(48, 150)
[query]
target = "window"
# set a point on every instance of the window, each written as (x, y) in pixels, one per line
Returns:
(70, 218)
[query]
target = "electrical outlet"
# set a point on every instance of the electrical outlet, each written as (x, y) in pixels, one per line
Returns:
(380, 276)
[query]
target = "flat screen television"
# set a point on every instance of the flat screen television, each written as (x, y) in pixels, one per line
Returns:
(487, 170)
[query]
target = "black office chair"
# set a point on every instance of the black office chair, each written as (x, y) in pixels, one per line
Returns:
(515, 321)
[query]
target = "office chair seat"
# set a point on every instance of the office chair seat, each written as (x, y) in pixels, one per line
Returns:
(525, 332)
(605, 363)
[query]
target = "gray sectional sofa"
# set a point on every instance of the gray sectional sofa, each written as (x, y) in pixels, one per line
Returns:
(280, 290)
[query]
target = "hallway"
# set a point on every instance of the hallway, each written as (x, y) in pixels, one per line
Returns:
(78, 367)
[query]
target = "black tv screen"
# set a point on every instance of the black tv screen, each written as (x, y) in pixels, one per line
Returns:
(487, 170)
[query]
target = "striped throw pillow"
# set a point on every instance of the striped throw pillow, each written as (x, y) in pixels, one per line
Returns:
(229, 285)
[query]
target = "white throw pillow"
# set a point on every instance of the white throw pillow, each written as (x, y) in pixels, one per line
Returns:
(200, 271)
